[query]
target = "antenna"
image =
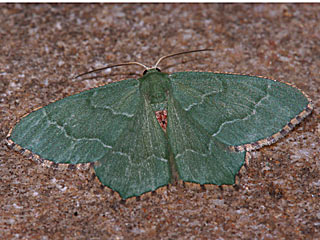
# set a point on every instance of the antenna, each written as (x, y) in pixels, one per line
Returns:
(112, 66)
(180, 53)
(142, 65)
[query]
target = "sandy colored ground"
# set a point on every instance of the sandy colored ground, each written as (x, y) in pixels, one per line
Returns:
(43, 46)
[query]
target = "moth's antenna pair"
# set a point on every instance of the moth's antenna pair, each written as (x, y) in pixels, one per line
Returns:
(142, 65)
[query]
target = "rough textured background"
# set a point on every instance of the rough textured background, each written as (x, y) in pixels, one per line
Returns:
(43, 46)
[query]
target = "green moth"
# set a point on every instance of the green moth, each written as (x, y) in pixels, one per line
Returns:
(210, 121)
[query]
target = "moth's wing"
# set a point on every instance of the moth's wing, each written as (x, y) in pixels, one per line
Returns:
(139, 161)
(209, 112)
(239, 109)
(111, 125)
(199, 157)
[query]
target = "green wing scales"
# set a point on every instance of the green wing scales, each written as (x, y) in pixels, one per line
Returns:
(210, 112)
(112, 125)
(237, 109)
(199, 157)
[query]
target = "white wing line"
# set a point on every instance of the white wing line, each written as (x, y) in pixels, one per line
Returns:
(245, 118)
(202, 100)
(114, 112)
(70, 137)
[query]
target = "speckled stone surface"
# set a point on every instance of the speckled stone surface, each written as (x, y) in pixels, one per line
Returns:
(44, 46)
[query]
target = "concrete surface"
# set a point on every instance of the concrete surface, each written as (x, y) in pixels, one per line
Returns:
(43, 46)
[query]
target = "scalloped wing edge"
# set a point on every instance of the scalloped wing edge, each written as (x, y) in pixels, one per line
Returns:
(89, 167)
(277, 136)
(80, 166)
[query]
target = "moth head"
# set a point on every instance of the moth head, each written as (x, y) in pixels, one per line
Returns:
(151, 70)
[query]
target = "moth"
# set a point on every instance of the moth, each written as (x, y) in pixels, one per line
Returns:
(208, 121)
